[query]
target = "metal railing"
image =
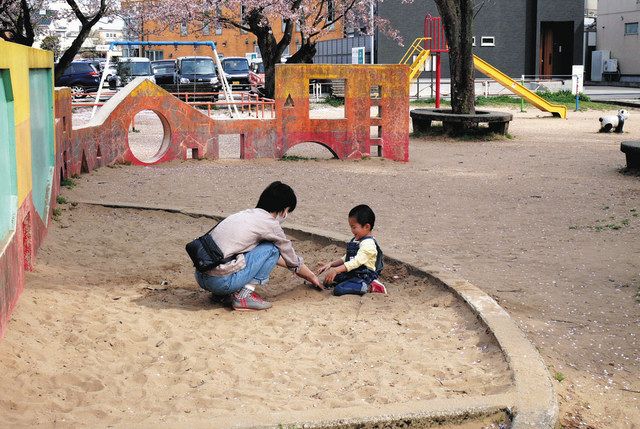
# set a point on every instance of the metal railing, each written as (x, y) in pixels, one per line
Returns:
(250, 103)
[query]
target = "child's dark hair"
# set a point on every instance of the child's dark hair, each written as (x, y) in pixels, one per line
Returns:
(363, 215)
(276, 197)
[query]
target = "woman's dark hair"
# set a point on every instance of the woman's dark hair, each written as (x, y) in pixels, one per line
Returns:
(276, 197)
(363, 215)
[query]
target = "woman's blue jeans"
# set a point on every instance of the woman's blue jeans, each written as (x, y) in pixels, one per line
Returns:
(260, 261)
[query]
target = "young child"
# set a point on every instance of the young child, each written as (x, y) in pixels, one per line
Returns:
(356, 273)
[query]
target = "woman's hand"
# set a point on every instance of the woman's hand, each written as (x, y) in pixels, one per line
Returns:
(305, 273)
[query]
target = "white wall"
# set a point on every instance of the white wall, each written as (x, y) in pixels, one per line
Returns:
(612, 17)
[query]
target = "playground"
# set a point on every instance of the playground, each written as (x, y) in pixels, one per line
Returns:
(512, 263)
(549, 235)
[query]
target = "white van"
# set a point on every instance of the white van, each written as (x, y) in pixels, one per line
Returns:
(130, 68)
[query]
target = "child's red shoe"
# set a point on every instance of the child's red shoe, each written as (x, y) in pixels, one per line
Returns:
(377, 287)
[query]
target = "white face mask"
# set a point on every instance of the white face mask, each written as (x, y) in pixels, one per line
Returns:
(281, 218)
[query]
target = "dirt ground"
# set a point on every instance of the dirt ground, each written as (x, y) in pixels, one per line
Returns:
(543, 222)
(112, 329)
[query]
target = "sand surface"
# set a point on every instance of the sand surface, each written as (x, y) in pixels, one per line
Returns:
(113, 330)
(544, 222)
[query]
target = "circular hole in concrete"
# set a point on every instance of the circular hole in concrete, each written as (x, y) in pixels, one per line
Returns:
(310, 150)
(148, 136)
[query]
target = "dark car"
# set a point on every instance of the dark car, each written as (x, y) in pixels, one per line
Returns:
(236, 71)
(194, 70)
(164, 70)
(81, 77)
(97, 63)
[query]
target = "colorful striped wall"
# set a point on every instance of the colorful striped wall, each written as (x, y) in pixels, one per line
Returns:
(28, 185)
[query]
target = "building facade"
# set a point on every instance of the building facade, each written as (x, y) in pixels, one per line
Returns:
(230, 42)
(618, 33)
(524, 37)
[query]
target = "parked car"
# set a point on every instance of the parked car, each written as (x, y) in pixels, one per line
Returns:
(236, 71)
(194, 70)
(130, 68)
(81, 77)
(163, 70)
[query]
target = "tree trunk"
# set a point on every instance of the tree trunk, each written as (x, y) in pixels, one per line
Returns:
(21, 31)
(70, 53)
(270, 49)
(457, 16)
(304, 55)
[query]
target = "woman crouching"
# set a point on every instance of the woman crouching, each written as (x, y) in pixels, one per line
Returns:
(253, 241)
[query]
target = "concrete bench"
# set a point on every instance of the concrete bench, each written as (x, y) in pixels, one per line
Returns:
(422, 118)
(632, 150)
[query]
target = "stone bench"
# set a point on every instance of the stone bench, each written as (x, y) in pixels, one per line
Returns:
(498, 121)
(632, 150)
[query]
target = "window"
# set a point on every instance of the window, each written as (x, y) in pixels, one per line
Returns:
(631, 28)
(206, 29)
(183, 28)
(243, 13)
(218, 23)
(488, 41)
(473, 41)
(331, 14)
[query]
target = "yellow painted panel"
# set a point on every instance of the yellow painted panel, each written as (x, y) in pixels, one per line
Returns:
(18, 59)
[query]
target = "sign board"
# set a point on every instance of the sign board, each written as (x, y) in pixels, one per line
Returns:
(251, 56)
(577, 79)
(357, 55)
(102, 48)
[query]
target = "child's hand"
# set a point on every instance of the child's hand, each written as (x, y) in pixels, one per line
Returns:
(331, 275)
(323, 268)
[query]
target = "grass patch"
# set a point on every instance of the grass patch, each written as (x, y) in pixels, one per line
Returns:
(499, 100)
(559, 376)
(61, 200)
(429, 102)
(68, 183)
(56, 213)
(334, 101)
(296, 158)
(559, 97)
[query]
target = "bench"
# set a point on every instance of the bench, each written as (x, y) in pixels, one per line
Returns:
(422, 118)
(632, 150)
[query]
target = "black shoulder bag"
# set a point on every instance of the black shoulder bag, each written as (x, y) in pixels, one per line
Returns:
(205, 253)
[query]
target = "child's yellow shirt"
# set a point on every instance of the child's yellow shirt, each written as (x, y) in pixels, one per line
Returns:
(367, 255)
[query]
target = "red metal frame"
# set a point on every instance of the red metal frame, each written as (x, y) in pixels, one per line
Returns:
(436, 42)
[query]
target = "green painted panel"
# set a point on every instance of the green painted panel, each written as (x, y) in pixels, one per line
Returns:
(42, 150)
(8, 185)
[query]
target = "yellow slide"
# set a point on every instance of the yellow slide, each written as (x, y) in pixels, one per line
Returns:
(421, 55)
(487, 69)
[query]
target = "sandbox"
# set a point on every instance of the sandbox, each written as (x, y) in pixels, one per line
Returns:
(113, 330)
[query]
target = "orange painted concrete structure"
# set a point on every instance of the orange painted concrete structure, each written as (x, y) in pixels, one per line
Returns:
(104, 140)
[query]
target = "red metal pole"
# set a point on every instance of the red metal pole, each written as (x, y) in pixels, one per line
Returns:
(438, 80)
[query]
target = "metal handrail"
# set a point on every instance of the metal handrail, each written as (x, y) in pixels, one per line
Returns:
(415, 47)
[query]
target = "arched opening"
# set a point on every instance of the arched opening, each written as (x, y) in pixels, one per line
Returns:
(149, 136)
(84, 165)
(310, 150)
